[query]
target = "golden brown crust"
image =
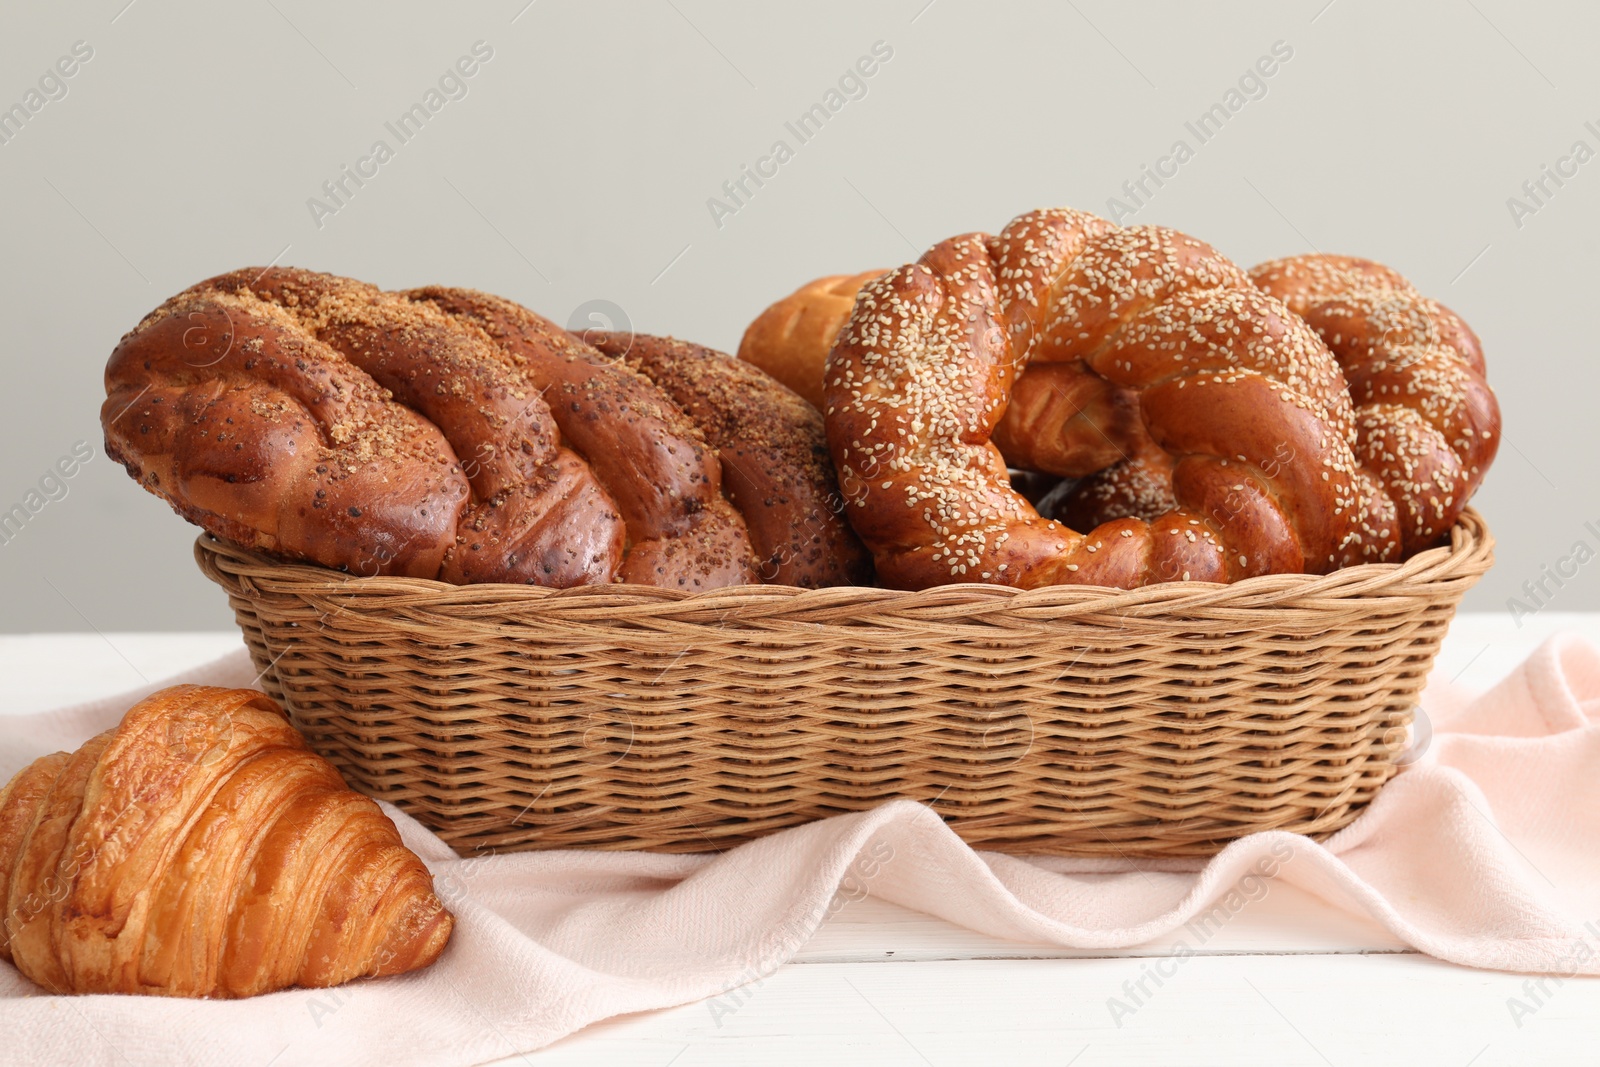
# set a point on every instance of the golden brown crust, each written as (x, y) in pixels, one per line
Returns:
(201, 849)
(1065, 420)
(790, 340)
(20, 800)
(775, 463)
(666, 482)
(247, 425)
(439, 433)
(1428, 425)
(1246, 400)
(537, 515)
(1062, 419)
(1138, 487)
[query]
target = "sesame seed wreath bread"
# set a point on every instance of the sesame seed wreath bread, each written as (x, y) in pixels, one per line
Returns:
(385, 433)
(1252, 410)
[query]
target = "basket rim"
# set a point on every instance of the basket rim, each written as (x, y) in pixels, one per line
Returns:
(1467, 556)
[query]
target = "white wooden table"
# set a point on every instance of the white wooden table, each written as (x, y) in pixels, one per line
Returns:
(1290, 980)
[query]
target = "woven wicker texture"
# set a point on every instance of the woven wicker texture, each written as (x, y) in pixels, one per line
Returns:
(1161, 721)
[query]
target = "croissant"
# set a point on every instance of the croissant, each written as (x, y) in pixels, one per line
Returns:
(200, 849)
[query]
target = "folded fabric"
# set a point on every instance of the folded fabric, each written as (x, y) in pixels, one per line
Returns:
(1481, 853)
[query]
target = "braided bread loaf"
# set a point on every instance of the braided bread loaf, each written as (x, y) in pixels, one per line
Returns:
(1427, 423)
(1249, 404)
(1062, 421)
(664, 482)
(439, 433)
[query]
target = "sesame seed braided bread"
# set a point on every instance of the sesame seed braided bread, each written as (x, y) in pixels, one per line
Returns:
(1251, 407)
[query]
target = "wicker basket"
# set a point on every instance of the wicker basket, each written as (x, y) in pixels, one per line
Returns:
(1165, 721)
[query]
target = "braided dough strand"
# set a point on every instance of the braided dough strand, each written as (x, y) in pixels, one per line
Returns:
(1428, 424)
(538, 514)
(775, 464)
(223, 405)
(666, 481)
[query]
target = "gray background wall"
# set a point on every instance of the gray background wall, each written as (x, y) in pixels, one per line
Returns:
(579, 163)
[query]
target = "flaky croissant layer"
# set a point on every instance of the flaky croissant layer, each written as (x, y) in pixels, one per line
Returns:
(201, 849)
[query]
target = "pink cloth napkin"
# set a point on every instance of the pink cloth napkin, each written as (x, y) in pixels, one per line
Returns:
(1483, 852)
